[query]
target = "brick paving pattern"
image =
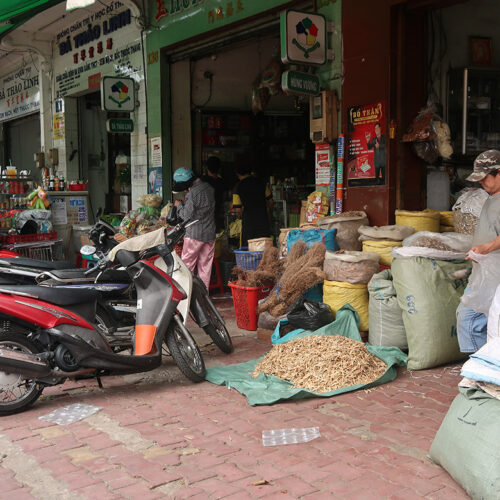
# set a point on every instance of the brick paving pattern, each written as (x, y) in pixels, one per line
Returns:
(159, 436)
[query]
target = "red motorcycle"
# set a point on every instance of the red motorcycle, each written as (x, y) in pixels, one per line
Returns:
(49, 334)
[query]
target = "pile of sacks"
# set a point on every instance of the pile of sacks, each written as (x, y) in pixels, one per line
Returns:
(466, 444)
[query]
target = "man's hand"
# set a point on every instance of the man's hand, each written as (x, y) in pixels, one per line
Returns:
(484, 248)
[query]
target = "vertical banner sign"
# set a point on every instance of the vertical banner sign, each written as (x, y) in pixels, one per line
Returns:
(339, 202)
(323, 164)
(367, 140)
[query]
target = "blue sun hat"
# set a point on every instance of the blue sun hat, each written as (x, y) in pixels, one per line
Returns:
(183, 179)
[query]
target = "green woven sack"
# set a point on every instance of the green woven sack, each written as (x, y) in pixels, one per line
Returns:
(429, 294)
(466, 444)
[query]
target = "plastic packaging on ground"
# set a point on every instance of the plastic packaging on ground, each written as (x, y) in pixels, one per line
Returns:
(289, 436)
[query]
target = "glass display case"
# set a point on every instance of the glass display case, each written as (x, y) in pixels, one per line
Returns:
(473, 111)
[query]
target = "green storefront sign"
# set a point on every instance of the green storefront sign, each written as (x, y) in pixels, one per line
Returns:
(295, 82)
(120, 125)
(188, 18)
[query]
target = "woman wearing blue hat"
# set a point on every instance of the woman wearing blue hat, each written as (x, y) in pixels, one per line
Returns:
(199, 204)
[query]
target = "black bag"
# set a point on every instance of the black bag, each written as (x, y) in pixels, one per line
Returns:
(310, 315)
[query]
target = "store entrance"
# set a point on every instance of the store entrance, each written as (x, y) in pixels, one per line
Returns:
(23, 141)
(240, 115)
(100, 152)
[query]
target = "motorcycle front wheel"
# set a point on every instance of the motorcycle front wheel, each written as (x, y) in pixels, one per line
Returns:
(215, 329)
(16, 391)
(186, 353)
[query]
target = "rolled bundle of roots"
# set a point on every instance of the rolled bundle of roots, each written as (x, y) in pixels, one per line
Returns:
(322, 363)
(303, 270)
(267, 272)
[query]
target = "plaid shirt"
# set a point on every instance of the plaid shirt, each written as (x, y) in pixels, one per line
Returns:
(199, 205)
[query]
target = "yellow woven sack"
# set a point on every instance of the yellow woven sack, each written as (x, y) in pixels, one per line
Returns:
(445, 219)
(339, 293)
(383, 248)
(421, 221)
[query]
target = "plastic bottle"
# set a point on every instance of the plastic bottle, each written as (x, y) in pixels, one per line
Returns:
(51, 184)
(56, 183)
(62, 184)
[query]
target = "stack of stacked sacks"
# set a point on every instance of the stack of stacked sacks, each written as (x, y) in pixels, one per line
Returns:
(383, 239)
(446, 221)
(347, 275)
(347, 225)
(430, 274)
(466, 444)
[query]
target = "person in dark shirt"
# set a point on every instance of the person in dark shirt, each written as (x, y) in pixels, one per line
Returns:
(252, 198)
(378, 146)
(215, 180)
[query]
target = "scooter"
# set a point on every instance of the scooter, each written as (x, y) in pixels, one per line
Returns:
(197, 303)
(48, 334)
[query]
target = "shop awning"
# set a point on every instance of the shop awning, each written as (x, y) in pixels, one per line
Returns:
(14, 13)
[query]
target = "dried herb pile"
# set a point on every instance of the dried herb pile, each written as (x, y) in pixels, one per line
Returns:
(303, 270)
(267, 272)
(322, 363)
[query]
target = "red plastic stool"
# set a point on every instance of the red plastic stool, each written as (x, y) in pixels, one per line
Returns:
(217, 284)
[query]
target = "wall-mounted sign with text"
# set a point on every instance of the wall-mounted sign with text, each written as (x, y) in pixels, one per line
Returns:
(298, 83)
(19, 93)
(303, 38)
(105, 41)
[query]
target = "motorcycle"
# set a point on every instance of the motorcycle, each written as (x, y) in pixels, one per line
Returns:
(197, 303)
(48, 334)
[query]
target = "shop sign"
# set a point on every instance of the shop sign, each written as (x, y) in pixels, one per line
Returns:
(366, 157)
(105, 42)
(19, 93)
(303, 38)
(120, 125)
(324, 158)
(58, 126)
(188, 18)
(117, 94)
(295, 82)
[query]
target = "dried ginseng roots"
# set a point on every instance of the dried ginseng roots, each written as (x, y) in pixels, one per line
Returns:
(322, 363)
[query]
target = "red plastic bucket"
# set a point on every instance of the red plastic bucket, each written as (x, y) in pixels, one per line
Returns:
(246, 299)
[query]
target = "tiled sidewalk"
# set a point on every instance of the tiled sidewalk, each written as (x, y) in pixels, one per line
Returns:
(160, 436)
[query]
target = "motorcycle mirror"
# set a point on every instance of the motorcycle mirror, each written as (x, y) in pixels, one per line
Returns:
(99, 213)
(87, 250)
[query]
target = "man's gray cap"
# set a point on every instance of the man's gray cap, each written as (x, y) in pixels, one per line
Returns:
(486, 162)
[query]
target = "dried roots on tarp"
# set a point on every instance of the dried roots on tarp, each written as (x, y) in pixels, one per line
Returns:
(322, 363)
(267, 272)
(301, 273)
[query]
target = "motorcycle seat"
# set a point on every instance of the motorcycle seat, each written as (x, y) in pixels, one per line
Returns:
(57, 296)
(109, 275)
(34, 263)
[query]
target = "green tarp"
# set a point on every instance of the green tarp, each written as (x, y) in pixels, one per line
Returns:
(265, 389)
(13, 13)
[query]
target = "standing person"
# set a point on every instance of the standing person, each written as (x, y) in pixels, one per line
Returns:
(199, 204)
(378, 145)
(214, 179)
(472, 325)
(252, 198)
